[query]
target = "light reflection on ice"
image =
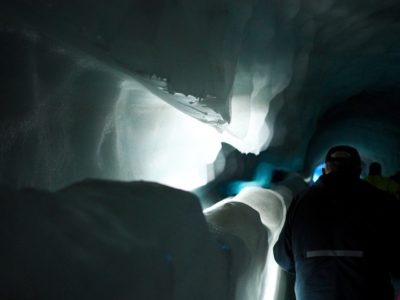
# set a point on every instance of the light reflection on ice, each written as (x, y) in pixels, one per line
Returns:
(156, 142)
(270, 205)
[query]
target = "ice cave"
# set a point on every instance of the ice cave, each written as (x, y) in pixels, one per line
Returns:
(149, 149)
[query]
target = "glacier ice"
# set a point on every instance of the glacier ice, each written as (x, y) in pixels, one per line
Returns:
(100, 239)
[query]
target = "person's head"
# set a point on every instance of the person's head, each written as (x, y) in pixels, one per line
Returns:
(375, 168)
(343, 159)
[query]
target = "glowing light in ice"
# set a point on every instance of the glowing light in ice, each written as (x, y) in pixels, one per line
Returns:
(187, 180)
(271, 282)
(261, 179)
(270, 205)
(317, 172)
(156, 142)
(254, 86)
(247, 131)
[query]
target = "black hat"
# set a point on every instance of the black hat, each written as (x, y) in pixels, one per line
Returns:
(343, 155)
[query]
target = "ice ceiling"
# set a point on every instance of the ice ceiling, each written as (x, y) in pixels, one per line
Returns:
(150, 89)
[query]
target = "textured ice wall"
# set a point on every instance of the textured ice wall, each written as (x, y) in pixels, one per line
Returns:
(298, 58)
(248, 225)
(251, 63)
(240, 232)
(99, 239)
(155, 141)
(269, 67)
(66, 116)
(340, 48)
(55, 108)
(193, 45)
(108, 240)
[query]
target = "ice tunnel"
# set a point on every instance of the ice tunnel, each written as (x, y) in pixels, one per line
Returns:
(150, 149)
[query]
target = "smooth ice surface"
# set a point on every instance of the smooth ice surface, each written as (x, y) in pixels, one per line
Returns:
(256, 216)
(239, 229)
(156, 142)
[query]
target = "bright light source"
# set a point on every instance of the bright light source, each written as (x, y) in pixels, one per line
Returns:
(272, 271)
(187, 181)
(271, 206)
(317, 172)
(157, 142)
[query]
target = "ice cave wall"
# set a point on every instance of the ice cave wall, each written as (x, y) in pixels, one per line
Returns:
(90, 89)
(262, 73)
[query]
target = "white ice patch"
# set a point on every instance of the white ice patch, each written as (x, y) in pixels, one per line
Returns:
(238, 216)
(157, 142)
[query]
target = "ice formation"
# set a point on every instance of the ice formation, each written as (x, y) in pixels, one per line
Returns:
(261, 73)
(99, 239)
(90, 89)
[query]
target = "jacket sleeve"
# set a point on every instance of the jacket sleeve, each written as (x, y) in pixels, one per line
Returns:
(283, 252)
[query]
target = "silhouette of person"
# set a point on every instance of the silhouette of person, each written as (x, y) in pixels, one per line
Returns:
(338, 236)
(384, 183)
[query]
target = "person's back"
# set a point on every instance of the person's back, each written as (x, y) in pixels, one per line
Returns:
(337, 240)
(383, 183)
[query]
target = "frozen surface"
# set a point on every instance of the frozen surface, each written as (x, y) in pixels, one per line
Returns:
(100, 239)
(156, 142)
(238, 228)
(89, 89)
(108, 240)
(248, 225)
(265, 76)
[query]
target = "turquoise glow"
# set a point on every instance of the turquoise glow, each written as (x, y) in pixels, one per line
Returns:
(262, 178)
(317, 172)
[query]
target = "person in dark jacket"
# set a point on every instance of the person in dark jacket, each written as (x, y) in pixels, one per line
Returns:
(339, 235)
(384, 183)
